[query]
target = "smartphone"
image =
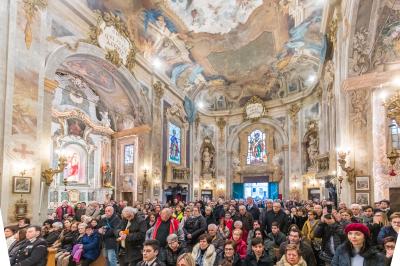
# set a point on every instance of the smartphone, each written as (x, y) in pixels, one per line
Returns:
(329, 208)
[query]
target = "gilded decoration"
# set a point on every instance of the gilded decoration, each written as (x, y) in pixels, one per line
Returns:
(111, 25)
(254, 109)
(333, 26)
(293, 111)
(30, 9)
(393, 108)
(85, 118)
(158, 90)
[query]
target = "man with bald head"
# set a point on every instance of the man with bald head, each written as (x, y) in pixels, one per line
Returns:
(275, 215)
(164, 226)
(108, 226)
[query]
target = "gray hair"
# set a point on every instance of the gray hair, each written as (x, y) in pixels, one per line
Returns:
(238, 223)
(355, 205)
(130, 210)
(57, 225)
(211, 226)
(172, 237)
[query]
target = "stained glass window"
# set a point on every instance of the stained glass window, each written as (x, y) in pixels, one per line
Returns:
(174, 149)
(395, 133)
(128, 158)
(256, 151)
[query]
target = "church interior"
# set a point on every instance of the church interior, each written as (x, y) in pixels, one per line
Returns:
(155, 100)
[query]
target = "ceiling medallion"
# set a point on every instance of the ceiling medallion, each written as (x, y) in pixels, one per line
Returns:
(111, 34)
(254, 109)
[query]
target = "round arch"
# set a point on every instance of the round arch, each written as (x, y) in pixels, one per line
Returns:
(282, 139)
(130, 84)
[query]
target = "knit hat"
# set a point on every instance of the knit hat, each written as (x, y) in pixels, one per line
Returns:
(357, 227)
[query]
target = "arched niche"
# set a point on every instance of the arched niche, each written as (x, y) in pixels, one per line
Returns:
(281, 142)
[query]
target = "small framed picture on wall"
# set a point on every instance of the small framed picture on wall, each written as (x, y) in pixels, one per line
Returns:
(362, 183)
(22, 184)
(362, 198)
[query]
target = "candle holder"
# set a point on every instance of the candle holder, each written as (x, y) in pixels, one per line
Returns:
(48, 174)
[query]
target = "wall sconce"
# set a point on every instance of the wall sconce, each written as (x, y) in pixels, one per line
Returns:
(392, 156)
(349, 170)
(48, 174)
(340, 180)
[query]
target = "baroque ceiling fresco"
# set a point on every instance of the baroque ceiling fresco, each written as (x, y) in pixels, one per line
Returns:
(222, 52)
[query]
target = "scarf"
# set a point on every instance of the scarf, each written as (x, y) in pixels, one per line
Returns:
(173, 227)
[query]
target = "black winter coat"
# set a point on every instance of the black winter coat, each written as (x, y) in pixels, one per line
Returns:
(221, 261)
(280, 217)
(254, 211)
(169, 258)
(194, 226)
(325, 231)
(135, 239)
(372, 257)
(251, 260)
(32, 254)
(111, 228)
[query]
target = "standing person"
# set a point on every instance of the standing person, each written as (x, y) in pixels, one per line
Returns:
(165, 226)
(247, 220)
(132, 231)
(258, 256)
(331, 233)
(252, 208)
(210, 218)
(275, 215)
(79, 211)
(108, 225)
(391, 230)
(203, 252)
(64, 210)
(194, 227)
(309, 227)
(379, 221)
(357, 250)
(34, 249)
(150, 252)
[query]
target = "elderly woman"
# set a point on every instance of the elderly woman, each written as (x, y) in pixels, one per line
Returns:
(357, 249)
(89, 245)
(54, 233)
(229, 257)
(204, 252)
(292, 257)
(169, 256)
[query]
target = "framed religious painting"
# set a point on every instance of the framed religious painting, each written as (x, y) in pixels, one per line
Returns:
(22, 184)
(362, 183)
(362, 198)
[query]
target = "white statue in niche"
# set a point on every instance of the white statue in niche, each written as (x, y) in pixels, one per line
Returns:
(206, 161)
(312, 150)
(105, 121)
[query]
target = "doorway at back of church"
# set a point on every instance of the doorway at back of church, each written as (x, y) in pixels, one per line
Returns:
(256, 190)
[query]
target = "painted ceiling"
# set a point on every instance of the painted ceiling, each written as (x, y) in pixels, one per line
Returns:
(222, 52)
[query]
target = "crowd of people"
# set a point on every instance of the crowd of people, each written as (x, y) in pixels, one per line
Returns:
(213, 233)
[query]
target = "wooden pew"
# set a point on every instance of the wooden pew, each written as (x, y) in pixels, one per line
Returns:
(51, 257)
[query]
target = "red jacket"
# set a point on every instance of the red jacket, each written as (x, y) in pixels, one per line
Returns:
(70, 211)
(173, 226)
(241, 249)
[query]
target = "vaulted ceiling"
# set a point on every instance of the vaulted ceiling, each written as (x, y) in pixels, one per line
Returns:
(222, 52)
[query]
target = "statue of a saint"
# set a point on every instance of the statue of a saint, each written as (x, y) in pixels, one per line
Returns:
(312, 150)
(107, 175)
(206, 158)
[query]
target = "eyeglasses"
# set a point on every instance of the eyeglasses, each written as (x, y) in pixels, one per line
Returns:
(172, 242)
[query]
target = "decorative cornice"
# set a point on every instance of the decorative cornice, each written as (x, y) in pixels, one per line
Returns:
(132, 131)
(85, 118)
(393, 108)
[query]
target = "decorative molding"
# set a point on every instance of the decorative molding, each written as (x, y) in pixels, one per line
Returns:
(85, 118)
(111, 34)
(221, 123)
(158, 90)
(254, 109)
(332, 32)
(132, 131)
(393, 108)
(50, 85)
(360, 62)
(177, 111)
(30, 8)
(370, 80)
(359, 101)
(293, 111)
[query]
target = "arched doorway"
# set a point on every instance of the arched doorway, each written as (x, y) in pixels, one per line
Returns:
(257, 153)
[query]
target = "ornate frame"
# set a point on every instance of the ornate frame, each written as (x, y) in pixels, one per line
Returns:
(255, 100)
(27, 178)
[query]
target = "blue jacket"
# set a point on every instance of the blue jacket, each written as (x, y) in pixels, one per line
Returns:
(385, 232)
(91, 246)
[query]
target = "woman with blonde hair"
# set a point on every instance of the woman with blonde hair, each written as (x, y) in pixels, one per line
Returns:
(292, 257)
(185, 259)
